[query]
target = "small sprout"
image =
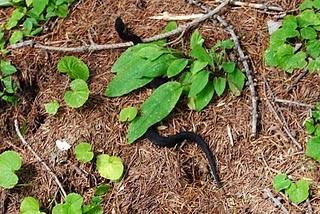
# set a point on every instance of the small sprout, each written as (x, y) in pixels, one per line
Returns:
(52, 107)
(281, 182)
(83, 152)
(110, 167)
(128, 114)
(10, 162)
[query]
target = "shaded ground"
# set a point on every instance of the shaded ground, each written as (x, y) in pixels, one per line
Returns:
(157, 180)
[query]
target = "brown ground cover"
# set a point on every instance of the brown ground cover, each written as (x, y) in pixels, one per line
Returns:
(157, 180)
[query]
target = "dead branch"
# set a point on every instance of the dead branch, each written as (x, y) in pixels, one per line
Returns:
(170, 17)
(254, 5)
(16, 125)
(243, 59)
(278, 113)
(275, 201)
(289, 102)
(97, 47)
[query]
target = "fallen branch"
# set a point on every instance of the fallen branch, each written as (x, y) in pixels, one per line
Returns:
(278, 113)
(275, 201)
(39, 159)
(170, 17)
(289, 102)
(254, 5)
(243, 59)
(97, 47)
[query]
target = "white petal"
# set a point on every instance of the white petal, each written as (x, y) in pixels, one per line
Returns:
(63, 145)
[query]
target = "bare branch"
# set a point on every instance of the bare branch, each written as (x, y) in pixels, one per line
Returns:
(97, 47)
(254, 5)
(39, 159)
(289, 102)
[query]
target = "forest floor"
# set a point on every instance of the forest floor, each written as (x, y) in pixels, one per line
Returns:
(158, 180)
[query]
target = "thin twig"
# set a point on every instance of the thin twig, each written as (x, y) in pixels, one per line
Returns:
(243, 58)
(278, 113)
(309, 206)
(170, 17)
(39, 159)
(297, 79)
(230, 135)
(254, 5)
(275, 201)
(97, 47)
(289, 102)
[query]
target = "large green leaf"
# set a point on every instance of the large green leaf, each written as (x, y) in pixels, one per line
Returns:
(201, 54)
(15, 17)
(299, 191)
(308, 18)
(176, 67)
(199, 81)
(236, 82)
(196, 40)
(30, 205)
(154, 109)
(313, 48)
(219, 84)
(38, 7)
(10, 161)
(110, 167)
(202, 99)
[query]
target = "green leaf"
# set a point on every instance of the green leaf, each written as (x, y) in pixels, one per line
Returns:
(306, 4)
(308, 18)
(74, 67)
(281, 35)
(30, 205)
(128, 114)
(110, 167)
(203, 98)
(176, 67)
(281, 182)
(201, 54)
(219, 84)
(72, 205)
(6, 68)
(5, 3)
(62, 11)
(229, 67)
(196, 40)
(27, 27)
(290, 22)
(16, 36)
(38, 7)
(309, 126)
(299, 192)
(198, 66)
(8, 84)
(308, 33)
(15, 17)
(172, 25)
(78, 95)
(154, 109)
(313, 48)
(297, 61)
(151, 52)
(316, 4)
(10, 161)
(313, 148)
(236, 81)
(83, 152)
(314, 65)
(225, 44)
(199, 81)
(102, 189)
(52, 107)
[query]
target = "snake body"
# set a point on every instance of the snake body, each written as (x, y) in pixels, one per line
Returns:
(172, 140)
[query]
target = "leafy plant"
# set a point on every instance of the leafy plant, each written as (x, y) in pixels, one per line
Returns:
(128, 114)
(312, 128)
(26, 19)
(30, 205)
(83, 152)
(52, 107)
(10, 162)
(110, 167)
(301, 29)
(8, 86)
(199, 76)
(296, 192)
(78, 95)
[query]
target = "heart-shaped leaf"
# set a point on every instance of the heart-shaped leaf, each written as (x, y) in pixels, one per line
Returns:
(52, 107)
(128, 114)
(74, 67)
(10, 162)
(78, 95)
(110, 167)
(83, 152)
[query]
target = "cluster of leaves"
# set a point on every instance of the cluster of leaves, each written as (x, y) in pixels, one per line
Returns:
(26, 19)
(296, 192)
(73, 203)
(199, 76)
(78, 71)
(312, 127)
(10, 162)
(109, 167)
(8, 86)
(296, 43)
